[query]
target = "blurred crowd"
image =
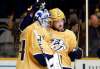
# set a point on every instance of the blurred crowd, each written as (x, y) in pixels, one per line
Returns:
(75, 21)
(94, 34)
(10, 32)
(9, 37)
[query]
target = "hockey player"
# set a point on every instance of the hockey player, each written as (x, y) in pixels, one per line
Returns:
(31, 55)
(62, 41)
(35, 51)
(42, 49)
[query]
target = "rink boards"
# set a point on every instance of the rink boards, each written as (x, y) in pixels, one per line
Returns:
(85, 63)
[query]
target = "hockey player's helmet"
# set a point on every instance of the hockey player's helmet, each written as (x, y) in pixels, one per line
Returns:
(56, 14)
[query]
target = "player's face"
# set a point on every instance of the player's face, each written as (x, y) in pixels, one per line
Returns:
(58, 25)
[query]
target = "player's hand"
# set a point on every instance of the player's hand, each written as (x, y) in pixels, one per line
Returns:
(76, 54)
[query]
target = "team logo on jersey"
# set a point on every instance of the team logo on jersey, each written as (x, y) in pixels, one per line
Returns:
(57, 44)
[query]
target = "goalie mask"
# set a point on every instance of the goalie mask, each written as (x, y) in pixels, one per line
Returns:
(42, 16)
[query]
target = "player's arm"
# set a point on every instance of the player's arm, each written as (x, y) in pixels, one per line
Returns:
(44, 54)
(74, 51)
(72, 42)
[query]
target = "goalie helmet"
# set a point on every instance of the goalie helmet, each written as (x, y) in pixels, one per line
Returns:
(42, 16)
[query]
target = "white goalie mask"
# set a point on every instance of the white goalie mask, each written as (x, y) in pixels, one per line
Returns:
(42, 16)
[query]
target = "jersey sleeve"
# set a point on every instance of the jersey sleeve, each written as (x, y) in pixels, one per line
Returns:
(23, 44)
(71, 40)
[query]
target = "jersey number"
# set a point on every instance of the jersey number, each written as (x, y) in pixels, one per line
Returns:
(22, 49)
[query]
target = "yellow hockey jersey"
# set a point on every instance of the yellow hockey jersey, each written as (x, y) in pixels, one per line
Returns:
(53, 42)
(63, 43)
(30, 39)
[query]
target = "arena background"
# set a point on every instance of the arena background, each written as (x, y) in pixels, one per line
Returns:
(9, 50)
(12, 11)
